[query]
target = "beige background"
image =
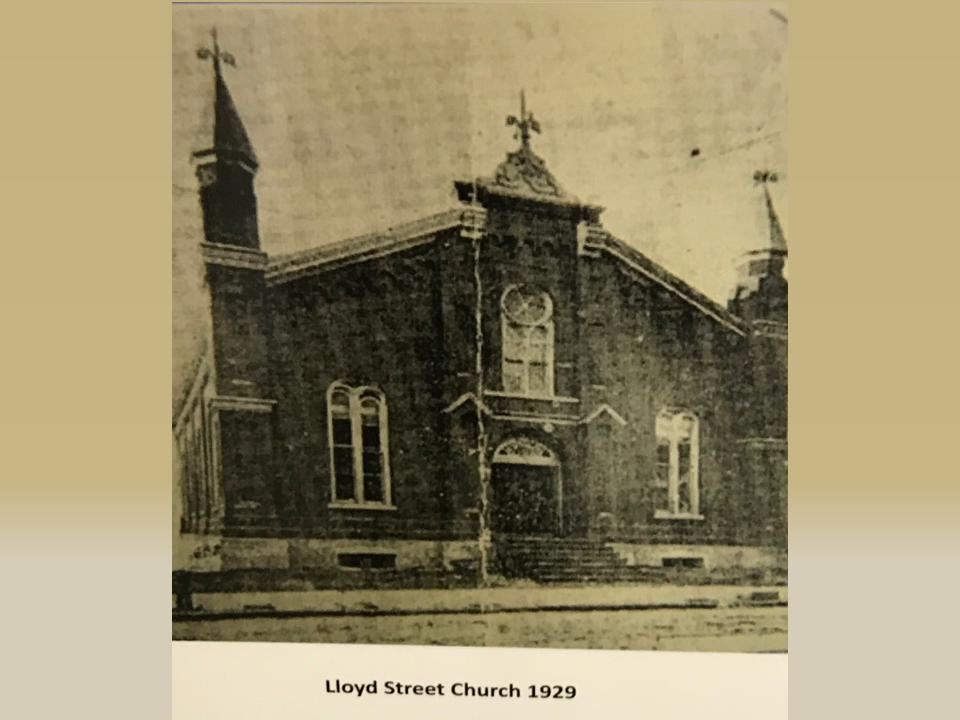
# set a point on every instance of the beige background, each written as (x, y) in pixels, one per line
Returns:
(85, 307)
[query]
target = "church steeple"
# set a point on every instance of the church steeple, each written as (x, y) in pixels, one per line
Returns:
(761, 290)
(770, 221)
(226, 164)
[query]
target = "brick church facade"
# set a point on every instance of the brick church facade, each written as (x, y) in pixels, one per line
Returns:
(442, 399)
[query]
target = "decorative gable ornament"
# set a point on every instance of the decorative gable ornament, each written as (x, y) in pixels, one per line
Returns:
(524, 171)
(524, 451)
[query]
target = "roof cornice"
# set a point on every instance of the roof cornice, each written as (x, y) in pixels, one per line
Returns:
(284, 268)
(233, 256)
(598, 239)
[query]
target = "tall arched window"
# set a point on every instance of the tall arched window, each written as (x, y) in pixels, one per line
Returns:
(359, 456)
(371, 408)
(341, 444)
(678, 464)
(527, 324)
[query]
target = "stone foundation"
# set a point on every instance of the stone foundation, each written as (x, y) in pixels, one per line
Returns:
(714, 557)
(198, 553)
(232, 564)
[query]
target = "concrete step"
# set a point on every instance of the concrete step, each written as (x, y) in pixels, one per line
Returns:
(594, 555)
(562, 562)
(596, 579)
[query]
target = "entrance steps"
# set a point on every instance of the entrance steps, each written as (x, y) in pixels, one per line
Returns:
(569, 560)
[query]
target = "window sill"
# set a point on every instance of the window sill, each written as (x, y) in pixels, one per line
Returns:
(667, 515)
(522, 396)
(359, 506)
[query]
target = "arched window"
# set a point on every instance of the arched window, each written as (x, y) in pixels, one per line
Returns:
(527, 324)
(371, 407)
(359, 457)
(523, 451)
(341, 445)
(678, 465)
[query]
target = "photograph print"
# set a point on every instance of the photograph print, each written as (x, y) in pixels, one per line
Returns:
(480, 325)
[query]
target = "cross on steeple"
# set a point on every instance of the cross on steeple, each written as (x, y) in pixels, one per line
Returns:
(525, 123)
(216, 54)
(228, 140)
(762, 177)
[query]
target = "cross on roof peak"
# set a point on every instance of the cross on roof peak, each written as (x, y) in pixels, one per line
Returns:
(525, 123)
(762, 177)
(226, 136)
(216, 54)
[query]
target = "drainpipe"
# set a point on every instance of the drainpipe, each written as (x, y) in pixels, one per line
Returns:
(483, 467)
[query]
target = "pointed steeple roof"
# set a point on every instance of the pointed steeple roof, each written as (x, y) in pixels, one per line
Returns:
(229, 134)
(227, 137)
(769, 221)
(778, 240)
(760, 271)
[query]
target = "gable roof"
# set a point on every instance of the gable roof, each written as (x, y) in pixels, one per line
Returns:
(598, 239)
(284, 268)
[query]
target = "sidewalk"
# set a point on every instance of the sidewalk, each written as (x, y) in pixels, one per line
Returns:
(478, 600)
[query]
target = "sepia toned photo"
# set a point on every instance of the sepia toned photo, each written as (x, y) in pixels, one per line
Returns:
(480, 325)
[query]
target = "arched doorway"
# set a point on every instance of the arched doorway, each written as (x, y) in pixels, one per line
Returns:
(526, 488)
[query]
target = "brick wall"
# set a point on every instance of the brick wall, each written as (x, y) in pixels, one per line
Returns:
(377, 323)
(645, 349)
(405, 323)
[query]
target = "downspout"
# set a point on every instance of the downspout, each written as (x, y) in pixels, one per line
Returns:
(483, 468)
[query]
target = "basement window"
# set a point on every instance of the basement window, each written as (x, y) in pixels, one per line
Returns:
(367, 561)
(682, 562)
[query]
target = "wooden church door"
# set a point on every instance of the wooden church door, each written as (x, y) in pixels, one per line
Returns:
(526, 491)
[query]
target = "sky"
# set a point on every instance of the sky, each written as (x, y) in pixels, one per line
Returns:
(362, 116)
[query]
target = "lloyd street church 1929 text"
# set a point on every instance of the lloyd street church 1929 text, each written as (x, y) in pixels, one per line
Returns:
(457, 689)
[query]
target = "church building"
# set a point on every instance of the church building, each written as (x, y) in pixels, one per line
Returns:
(504, 389)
